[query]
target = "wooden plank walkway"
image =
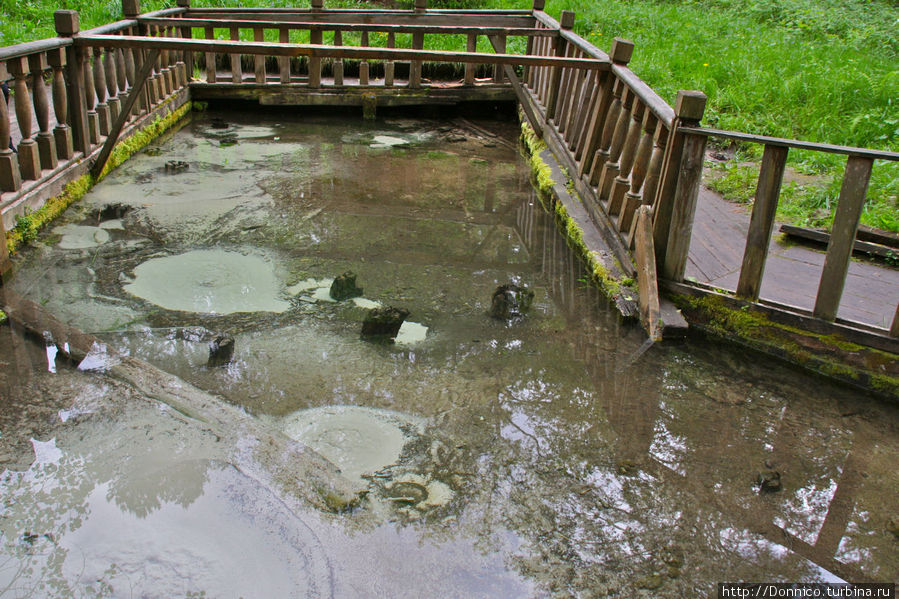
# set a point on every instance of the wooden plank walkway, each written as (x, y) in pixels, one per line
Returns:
(792, 272)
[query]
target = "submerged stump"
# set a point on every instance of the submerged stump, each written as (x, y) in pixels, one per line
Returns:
(344, 287)
(383, 323)
(221, 350)
(510, 301)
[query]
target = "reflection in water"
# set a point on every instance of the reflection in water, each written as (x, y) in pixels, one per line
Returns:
(557, 454)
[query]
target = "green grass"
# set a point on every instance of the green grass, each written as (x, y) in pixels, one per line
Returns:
(817, 70)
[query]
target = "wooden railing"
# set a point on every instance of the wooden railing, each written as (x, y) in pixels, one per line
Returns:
(635, 161)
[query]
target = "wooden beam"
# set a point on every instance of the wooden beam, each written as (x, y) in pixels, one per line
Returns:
(320, 51)
(761, 223)
(116, 128)
(845, 224)
(647, 282)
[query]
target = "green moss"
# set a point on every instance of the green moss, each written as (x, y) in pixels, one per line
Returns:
(3, 317)
(28, 225)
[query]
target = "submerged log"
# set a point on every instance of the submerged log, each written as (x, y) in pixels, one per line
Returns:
(383, 323)
(510, 301)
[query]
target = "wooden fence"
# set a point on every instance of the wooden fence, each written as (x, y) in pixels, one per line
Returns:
(635, 161)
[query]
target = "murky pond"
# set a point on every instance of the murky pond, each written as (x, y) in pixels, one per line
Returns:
(550, 454)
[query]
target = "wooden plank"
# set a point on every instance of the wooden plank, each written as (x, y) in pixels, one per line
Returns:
(335, 17)
(116, 128)
(878, 236)
(644, 255)
(36, 47)
(761, 223)
(321, 51)
(456, 29)
(839, 250)
(800, 145)
(894, 330)
(822, 236)
(688, 182)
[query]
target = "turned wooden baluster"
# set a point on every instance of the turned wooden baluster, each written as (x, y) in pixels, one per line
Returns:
(168, 72)
(389, 65)
(621, 184)
(46, 147)
(29, 162)
(130, 74)
(10, 176)
(62, 133)
(102, 107)
(112, 85)
(120, 71)
(639, 171)
(211, 75)
(613, 165)
(608, 132)
(566, 80)
(585, 119)
(653, 176)
(363, 65)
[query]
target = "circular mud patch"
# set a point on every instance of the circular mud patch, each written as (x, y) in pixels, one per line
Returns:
(210, 282)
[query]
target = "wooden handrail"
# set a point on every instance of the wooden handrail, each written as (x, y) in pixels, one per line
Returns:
(379, 27)
(19, 50)
(798, 144)
(111, 27)
(321, 51)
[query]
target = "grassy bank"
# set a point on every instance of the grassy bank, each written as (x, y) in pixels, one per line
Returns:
(818, 70)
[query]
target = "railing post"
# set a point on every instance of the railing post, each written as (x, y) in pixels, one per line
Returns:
(389, 66)
(315, 37)
(337, 65)
(761, 223)
(471, 45)
(10, 177)
(68, 25)
(211, 71)
(186, 66)
(842, 236)
(420, 7)
(29, 164)
(237, 68)
(46, 147)
(363, 65)
(259, 60)
(284, 61)
(688, 111)
(130, 8)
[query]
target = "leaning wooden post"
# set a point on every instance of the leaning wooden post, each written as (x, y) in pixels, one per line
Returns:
(10, 177)
(688, 109)
(761, 223)
(46, 146)
(116, 129)
(68, 25)
(29, 163)
(842, 236)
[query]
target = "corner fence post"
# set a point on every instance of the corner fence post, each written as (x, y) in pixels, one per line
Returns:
(686, 171)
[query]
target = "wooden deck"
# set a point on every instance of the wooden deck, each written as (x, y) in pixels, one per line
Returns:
(792, 272)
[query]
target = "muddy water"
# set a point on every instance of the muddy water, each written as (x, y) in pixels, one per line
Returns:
(549, 455)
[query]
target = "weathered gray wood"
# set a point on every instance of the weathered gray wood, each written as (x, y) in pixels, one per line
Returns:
(621, 184)
(389, 66)
(116, 129)
(236, 68)
(608, 132)
(647, 281)
(284, 61)
(612, 165)
(29, 48)
(363, 65)
(845, 223)
(554, 80)
(560, 114)
(761, 223)
(315, 63)
(372, 18)
(799, 145)
(684, 209)
(337, 67)
(418, 41)
(471, 46)
(822, 236)
(211, 75)
(585, 117)
(632, 200)
(258, 59)
(597, 121)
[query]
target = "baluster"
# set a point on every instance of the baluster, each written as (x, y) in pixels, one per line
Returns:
(168, 75)
(856, 177)
(62, 133)
(236, 68)
(761, 223)
(10, 176)
(100, 88)
(363, 65)
(68, 24)
(46, 146)
(111, 84)
(211, 76)
(420, 7)
(389, 66)
(259, 59)
(130, 74)
(338, 63)
(638, 171)
(584, 120)
(121, 74)
(654, 171)
(471, 45)
(29, 164)
(284, 61)
(595, 149)
(580, 113)
(315, 37)
(629, 150)
(154, 86)
(608, 133)
(559, 115)
(186, 64)
(498, 68)
(566, 21)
